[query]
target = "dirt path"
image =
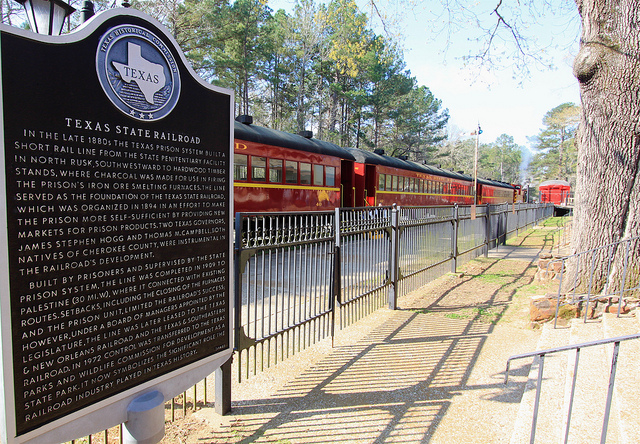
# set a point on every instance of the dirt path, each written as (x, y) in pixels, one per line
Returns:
(431, 371)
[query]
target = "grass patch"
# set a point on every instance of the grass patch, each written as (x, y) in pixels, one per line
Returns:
(457, 316)
(554, 222)
(419, 310)
(496, 278)
(536, 238)
(490, 315)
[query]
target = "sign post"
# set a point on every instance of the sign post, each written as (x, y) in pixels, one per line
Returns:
(116, 209)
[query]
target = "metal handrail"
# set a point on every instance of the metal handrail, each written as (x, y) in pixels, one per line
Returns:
(577, 347)
(612, 250)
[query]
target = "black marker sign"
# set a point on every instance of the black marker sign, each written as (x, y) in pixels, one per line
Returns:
(118, 207)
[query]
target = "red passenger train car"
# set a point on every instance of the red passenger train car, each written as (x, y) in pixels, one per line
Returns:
(557, 192)
(384, 180)
(278, 171)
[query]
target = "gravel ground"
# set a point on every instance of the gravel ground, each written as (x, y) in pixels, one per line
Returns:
(431, 371)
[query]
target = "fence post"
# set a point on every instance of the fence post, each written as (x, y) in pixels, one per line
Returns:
(336, 297)
(505, 228)
(487, 230)
(454, 239)
(393, 260)
(237, 290)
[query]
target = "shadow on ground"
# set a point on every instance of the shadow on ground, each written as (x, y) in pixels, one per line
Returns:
(398, 383)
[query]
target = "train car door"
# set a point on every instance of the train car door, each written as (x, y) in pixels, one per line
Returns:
(347, 183)
(371, 181)
(359, 184)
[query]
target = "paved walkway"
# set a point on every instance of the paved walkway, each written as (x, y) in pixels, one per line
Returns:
(423, 373)
(516, 253)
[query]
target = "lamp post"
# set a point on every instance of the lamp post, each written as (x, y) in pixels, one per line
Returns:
(46, 16)
(476, 133)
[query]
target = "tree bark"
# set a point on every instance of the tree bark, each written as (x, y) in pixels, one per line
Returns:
(608, 140)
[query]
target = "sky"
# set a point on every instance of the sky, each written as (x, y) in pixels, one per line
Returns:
(501, 101)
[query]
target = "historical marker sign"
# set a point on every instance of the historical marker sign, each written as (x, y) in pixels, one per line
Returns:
(118, 207)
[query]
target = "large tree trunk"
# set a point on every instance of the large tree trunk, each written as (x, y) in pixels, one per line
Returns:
(608, 182)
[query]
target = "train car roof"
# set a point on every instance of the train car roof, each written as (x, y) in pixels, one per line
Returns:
(380, 159)
(496, 183)
(268, 136)
(549, 183)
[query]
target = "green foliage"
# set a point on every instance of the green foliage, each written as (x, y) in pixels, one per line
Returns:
(458, 155)
(501, 160)
(319, 67)
(557, 155)
(498, 160)
(420, 125)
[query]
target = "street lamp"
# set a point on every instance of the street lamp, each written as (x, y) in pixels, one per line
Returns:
(46, 16)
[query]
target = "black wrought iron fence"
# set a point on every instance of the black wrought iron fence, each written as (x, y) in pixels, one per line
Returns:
(301, 276)
(284, 279)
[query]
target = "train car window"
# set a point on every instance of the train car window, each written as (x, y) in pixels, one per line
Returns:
(275, 170)
(381, 182)
(394, 183)
(318, 175)
(408, 184)
(258, 169)
(305, 173)
(389, 185)
(421, 186)
(415, 185)
(400, 183)
(291, 171)
(240, 166)
(330, 174)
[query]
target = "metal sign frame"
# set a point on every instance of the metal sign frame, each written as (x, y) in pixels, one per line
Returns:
(112, 410)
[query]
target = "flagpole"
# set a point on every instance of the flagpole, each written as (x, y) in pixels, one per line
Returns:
(477, 133)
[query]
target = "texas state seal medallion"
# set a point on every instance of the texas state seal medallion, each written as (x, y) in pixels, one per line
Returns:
(137, 72)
